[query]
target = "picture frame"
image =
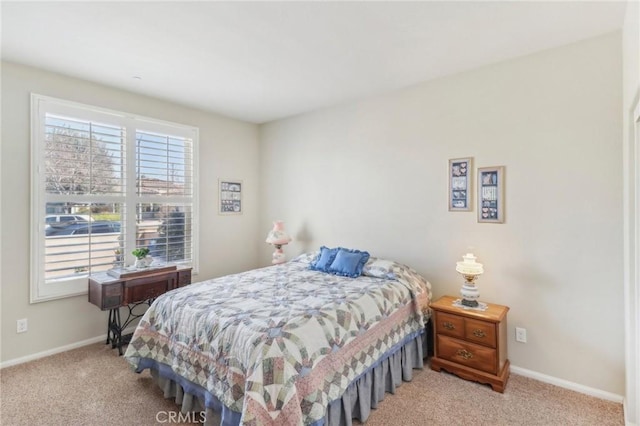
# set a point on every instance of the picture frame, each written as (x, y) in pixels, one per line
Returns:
(230, 196)
(491, 182)
(460, 197)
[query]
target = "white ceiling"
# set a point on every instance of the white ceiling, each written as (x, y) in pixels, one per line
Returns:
(261, 61)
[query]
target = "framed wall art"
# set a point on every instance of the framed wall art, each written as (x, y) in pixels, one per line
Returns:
(230, 196)
(460, 185)
(491, 194)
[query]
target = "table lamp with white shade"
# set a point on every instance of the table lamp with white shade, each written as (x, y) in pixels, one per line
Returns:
(470, 270)
(278, 237)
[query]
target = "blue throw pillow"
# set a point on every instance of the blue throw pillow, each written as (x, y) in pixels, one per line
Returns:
(349, 263)
(324, 259)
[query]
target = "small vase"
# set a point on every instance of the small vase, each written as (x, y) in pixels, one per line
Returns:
(140, 264)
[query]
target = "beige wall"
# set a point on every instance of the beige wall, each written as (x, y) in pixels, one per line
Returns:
(631, 95)
(372, 175)
(228, 149)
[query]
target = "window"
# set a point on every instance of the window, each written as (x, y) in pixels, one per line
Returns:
(104, 183)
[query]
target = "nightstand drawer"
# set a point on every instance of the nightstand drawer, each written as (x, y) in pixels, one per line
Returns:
(469, 354)
(480, 332)
(451, 325)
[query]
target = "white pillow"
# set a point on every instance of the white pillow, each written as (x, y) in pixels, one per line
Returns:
(306, 257)
(379, 268)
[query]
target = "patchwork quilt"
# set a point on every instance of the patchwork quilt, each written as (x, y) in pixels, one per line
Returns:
(278, 344)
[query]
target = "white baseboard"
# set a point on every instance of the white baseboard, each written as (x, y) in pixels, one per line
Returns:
(60, 349)
(568, 385)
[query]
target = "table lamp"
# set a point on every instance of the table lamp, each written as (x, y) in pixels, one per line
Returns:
(469, 269)
(278, 237)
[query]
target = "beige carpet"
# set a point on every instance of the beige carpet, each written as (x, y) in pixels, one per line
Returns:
(93, 386)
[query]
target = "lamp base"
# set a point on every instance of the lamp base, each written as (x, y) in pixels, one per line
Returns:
(469, 303)
(470, 294)
(481, 306)
(278, 255)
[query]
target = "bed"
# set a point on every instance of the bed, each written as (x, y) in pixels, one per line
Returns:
(285, 344)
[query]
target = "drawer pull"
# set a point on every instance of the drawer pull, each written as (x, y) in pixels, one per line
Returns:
(479, 333)
(464, 354)
(448, 325)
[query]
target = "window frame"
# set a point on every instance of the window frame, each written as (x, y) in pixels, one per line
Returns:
(40, 289)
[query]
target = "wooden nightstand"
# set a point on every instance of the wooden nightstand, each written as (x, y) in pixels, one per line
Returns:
(471, 344)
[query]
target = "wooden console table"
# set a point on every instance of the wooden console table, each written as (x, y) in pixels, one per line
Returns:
(132, 289)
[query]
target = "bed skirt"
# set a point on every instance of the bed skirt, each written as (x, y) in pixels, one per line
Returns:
(362, 395)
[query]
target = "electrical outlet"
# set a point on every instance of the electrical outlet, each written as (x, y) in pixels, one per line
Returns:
(521, 334)
(22, 325)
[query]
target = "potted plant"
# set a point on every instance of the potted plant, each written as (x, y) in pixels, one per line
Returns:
(140, 253)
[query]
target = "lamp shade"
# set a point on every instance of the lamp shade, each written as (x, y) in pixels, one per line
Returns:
(469, 266)
(278, 236)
